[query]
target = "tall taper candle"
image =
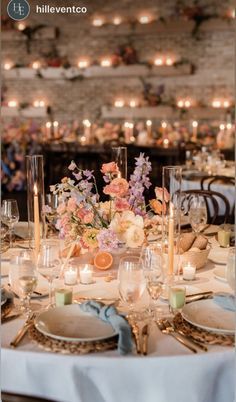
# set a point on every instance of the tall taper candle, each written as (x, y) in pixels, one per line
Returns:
(171, 241)
(36, 221)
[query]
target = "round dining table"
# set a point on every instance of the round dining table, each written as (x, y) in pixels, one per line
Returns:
(170, 372)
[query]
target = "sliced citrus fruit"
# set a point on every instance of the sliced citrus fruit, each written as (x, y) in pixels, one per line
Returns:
(103, 260)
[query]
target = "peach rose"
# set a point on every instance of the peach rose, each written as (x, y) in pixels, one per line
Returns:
(121, 204)
(72, 205)
(117, 188)
(110, 167)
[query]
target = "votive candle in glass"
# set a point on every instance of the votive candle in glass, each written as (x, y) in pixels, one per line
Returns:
(70, 276)
(86, 274)
(189, 271)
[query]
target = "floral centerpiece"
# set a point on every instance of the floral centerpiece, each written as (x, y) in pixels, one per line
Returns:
(123, 219)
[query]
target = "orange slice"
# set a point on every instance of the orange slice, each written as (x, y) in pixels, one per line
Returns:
(103, 260)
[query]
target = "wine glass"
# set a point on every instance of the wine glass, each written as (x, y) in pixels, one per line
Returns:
(49, 265)
(23, 277)
(152, 265)
(10, 216)
(131, 281)
(52, 202)
(230, 268)
(197, 213)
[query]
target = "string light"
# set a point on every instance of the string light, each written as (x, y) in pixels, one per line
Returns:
(39, 103)
(12, 103)
(21, 26)
(119, 103)
(36, 65)
(86, 123)
(117, 20)
(98, 21)
(144, 19)
(83, 63)
(158, 61)
(106, 63)
(133, 103)
(8, 65)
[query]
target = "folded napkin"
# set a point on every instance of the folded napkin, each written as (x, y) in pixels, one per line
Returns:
(225, 300)
(119, 323)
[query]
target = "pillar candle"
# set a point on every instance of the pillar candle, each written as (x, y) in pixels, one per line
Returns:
(36, 221)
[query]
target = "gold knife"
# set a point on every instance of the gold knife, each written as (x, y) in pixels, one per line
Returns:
(21, 333)
(145, 333)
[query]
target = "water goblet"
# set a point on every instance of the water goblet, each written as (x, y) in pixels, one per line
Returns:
(10, 216)
(131, 281)
(197, 213)
(49, 265)
(23, 278)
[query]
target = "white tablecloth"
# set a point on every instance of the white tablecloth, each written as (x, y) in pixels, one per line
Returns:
(169, 373)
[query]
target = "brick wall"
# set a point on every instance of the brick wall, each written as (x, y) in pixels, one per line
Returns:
(213, 56)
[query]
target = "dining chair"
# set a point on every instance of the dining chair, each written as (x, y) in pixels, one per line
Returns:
(213, 200)
(9, 397)
(207, 183)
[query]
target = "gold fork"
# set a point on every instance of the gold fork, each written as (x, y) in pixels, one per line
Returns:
(165, 330)
(23, 330)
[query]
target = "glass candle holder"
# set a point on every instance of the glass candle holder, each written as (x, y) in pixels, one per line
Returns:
(35, 200)
(119, 155)
(70, 276)
(86, 274)
(189, 271)
(177, 298)
(171, 215)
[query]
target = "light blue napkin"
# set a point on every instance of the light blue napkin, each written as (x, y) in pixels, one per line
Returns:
(119, 323)
(225, 300)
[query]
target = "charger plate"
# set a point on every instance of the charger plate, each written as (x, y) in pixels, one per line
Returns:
(69, 323)
(200, 334)
(58, 346)
(206, 314)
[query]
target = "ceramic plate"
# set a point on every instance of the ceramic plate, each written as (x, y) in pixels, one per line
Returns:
(218, 256)
(208, 315)
(70, 323)
(219, 273)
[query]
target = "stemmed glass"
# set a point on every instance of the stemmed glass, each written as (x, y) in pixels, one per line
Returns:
(49, 265)
(10, 216)
(23, 278)
(131, 281)
(197, 213)
(152, 264)
(52, 202)
(230, 268)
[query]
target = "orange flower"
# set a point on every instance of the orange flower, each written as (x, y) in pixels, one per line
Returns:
(157, 206)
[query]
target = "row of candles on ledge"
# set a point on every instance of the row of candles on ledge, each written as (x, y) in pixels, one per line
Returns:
(159, 60)
(134, 103)
(180, 103)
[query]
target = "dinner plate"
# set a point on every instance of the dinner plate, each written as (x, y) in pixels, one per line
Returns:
(70, 323)
(219, 273)
(218, 256)
(208, 315)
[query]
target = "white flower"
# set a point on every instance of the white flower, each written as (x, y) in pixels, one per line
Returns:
(134, 236)
(122, 222)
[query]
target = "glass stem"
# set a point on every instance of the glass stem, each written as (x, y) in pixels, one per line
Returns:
(50, 292)
(11, 236)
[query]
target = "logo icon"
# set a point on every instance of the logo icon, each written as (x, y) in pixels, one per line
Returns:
(18, 9)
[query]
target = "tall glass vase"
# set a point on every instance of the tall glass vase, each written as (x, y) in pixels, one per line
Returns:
(119, 155)
(35, 200)
(171, 214)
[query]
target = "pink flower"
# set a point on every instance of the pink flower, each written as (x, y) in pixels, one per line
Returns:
(121, 204)
(159, 194)
(88, 218)
(117, 188)
(71, 205)
(72, 166)
(110, 167)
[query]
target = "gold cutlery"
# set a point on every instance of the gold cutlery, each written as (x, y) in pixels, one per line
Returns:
(135, 331)
(199, 296)
(145, 333)
(21, 333)
(165, 330)
(10, 317)
(88, 298)
(172, 328)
